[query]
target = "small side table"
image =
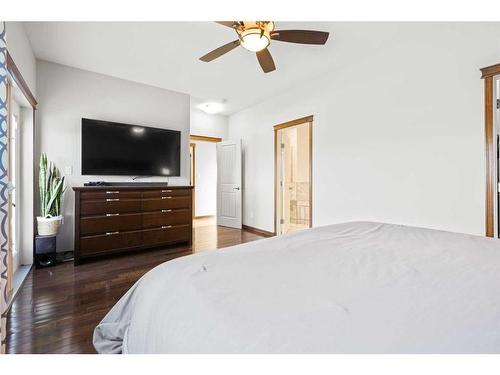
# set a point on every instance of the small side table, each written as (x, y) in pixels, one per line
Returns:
(45, 251)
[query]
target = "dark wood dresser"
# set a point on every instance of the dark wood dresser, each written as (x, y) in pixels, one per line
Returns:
(115, 219)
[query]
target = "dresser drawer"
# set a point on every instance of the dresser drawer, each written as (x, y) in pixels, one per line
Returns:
(110, 241)
(166, 217)
(165, 192)
(104, 194)
(110, 223)
(166, 202)
(165, 235)
(109, 206)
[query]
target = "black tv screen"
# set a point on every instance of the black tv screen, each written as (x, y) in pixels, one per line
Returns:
(110, 148)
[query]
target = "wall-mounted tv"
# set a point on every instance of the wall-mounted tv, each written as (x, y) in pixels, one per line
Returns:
(115, 149)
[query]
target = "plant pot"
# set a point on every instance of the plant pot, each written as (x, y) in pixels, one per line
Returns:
(49, 226)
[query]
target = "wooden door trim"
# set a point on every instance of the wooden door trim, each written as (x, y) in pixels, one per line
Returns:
(21, 83)
(300, 121)
(288, 124)
(490, 71)
(204, 138)
(310, 172)
(489, 153)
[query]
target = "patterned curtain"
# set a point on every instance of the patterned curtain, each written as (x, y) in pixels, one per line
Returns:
(3, 184)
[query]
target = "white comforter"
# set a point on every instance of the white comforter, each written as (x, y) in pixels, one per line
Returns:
(348, 288)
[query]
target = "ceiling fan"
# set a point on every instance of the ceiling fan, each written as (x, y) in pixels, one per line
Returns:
(256, 36)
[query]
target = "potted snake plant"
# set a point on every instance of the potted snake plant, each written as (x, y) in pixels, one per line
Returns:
(51, 186)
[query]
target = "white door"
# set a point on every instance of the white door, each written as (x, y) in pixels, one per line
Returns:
(229, 184)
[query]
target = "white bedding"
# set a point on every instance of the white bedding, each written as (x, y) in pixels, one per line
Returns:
(347, 288)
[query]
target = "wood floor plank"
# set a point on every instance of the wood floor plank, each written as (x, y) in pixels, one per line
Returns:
(58, 308)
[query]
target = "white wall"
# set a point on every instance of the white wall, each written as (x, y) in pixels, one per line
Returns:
(208, 125)
(68, 94)
(397, 133)
(20, 49)
(205, 178)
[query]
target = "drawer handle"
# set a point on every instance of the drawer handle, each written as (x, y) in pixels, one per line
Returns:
(112, 199)
(111, 233)
(166, 197)
(113, 192)
(166, 191)
(164, 211)
(112, 214)
(166, 226)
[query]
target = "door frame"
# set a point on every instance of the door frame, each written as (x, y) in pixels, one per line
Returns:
(202, 138)
(276, 128)
(192, 146)
(488, 75)
(14, 76)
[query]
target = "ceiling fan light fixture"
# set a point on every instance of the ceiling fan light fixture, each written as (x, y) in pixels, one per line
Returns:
(255, 39)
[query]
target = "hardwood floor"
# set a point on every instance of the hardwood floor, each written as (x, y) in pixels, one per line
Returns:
(57, 308)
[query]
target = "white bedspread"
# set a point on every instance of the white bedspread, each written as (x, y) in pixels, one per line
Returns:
(348, 288)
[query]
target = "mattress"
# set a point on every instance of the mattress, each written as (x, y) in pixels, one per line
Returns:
(358, 287)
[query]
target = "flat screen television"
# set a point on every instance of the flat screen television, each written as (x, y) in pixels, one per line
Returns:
(114, 149)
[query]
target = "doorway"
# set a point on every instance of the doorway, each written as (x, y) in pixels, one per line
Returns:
(18, 180)
(203, 153)
(491, 77)
(293, 175)
(19, 161)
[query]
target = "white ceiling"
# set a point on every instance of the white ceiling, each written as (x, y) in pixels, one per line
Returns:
(165, 54)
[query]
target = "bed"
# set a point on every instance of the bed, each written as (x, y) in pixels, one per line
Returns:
(358, 287)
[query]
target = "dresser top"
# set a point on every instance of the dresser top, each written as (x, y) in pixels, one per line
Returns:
(132, 186)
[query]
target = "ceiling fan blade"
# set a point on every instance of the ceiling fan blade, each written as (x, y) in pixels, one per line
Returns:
(227, 23)
(300, 36)
(266, 60)
(218, 52)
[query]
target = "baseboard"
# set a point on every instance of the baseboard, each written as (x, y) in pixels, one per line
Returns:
(258, 231)
(203, 216)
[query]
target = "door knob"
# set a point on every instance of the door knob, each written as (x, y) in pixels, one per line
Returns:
(236, 188)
